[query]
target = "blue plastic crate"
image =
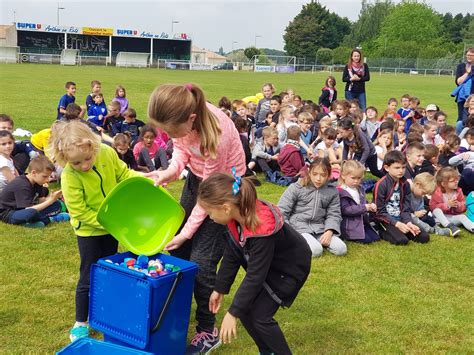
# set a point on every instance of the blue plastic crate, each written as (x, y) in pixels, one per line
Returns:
(126, 305)
(89, 346)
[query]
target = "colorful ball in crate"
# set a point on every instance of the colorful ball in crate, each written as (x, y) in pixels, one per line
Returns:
(130, 262)
(142, 260)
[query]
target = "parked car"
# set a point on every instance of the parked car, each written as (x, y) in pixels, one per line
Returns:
(223, 66)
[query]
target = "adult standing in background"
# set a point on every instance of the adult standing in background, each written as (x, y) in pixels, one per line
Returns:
(463, 72)
(355, 74)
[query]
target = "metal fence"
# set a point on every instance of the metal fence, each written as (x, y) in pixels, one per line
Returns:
(380, 66)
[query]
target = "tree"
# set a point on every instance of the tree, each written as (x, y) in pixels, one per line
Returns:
(251, 51)
(468, 33)
(237, 56)
(324, 55)
(341, 54)
(454, 27)
(367, 26)
(313, 28)
(411, 21)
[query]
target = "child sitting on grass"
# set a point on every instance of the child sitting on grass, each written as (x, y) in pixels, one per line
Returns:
(423, 185)
(265, 152)
(414, 159)
(430, 163)
(25, 201)
(150, 150)
(7, 167)
(312, 207)
(131, 125)
(392, 195)
(290, 158)
(466, 160)
(369, 124)
(113, 119)
(330, 149)
(355, 210)
(91, 171)
(447, 202)
(122, 147)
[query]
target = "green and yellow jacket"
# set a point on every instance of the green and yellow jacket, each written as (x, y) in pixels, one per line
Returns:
(84, 191)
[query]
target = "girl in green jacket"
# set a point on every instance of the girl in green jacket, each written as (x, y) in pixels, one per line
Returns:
(91, 171)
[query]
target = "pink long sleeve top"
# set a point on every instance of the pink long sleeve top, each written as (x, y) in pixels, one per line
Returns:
(186, 153)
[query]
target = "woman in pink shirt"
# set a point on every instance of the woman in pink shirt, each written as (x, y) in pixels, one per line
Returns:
(206, 142)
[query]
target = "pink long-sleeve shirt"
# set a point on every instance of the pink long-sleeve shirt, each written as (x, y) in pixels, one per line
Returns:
(186, 153)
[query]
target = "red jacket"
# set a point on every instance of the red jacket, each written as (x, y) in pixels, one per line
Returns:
(291, 161)
(437, 201)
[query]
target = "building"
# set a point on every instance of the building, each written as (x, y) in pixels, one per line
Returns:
(204, 56)
(41, 40)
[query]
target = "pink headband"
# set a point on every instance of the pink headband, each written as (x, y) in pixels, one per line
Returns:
(189, 87)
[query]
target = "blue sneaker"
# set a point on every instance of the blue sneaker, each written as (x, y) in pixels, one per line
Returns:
(78, 332)
(60, 217)
(38, 224)
(204, 342)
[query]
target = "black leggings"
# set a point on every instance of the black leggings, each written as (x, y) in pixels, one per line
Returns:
(91, 249)
(205, 249)
(263, 328)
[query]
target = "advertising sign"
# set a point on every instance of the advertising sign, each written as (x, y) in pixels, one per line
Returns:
(97, 31)
(47, 28)
(264, 68)
(285, 69)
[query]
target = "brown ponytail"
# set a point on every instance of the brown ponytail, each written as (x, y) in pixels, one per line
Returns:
(218, 189)
(173, 104)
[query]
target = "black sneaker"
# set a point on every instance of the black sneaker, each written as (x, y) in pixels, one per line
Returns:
(454, 230)
(204, 342)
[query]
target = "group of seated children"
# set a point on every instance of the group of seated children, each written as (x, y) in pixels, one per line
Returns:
(116, 119)
(23, 164)
(320, 151)
(323, 151)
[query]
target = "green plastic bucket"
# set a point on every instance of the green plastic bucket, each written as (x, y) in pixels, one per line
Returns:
(141, 216)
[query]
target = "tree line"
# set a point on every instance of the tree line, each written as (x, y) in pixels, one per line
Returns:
(409, 29)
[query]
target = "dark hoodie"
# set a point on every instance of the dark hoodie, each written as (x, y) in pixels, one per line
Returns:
(382, 193)
(275, 256)
(291, 160)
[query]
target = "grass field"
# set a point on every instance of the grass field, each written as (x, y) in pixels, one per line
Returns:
(377, 299)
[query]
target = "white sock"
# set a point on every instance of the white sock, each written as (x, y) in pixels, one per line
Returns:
(80, 324)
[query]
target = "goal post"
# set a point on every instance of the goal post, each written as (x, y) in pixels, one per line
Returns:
(69, 56)
(9, 54)
(273, 63)
(132, 59)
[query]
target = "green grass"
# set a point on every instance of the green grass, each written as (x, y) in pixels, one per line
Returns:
(378, 299)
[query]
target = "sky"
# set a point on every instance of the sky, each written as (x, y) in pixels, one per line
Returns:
(211, 23)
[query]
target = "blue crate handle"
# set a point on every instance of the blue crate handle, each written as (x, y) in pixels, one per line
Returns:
(179, 276)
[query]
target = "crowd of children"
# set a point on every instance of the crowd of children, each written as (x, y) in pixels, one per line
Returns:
(421, 174)
(424, 169)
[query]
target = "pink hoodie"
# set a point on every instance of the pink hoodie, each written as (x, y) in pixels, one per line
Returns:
(186, 153)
